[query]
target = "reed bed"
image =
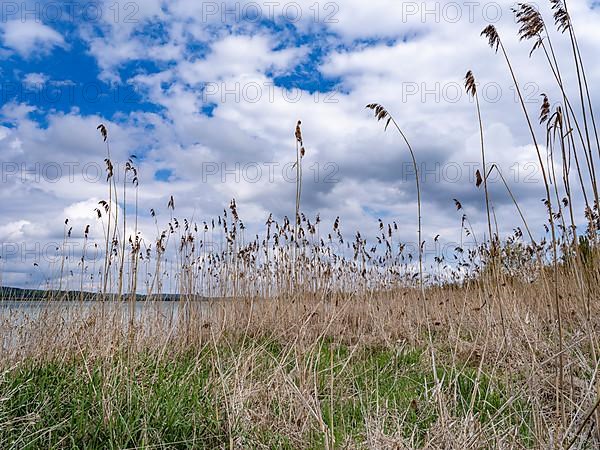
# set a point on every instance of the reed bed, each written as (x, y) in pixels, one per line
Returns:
(262, 372)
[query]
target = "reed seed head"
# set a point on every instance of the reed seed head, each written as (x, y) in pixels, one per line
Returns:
(470, 85)
(561, 16)
(299, 132)
(531, 24)
(478, 179)
(491, 34)
(544, 109)
(530, 21)
(380, 113)
(103, 131)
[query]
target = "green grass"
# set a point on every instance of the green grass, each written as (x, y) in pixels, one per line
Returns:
(193, 400)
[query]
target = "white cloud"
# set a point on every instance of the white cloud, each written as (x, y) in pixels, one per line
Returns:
(4, 132)
(13, 231)
(32, 80)
(238, 57)
(30, 38)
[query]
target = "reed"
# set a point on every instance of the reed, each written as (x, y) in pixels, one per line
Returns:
(382, 114)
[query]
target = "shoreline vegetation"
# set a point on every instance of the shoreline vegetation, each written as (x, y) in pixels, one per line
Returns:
(320, 340)
(342, 371)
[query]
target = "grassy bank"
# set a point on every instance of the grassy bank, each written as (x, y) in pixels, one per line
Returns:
(251, 394)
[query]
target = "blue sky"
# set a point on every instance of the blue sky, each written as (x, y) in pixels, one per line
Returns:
(205, 102)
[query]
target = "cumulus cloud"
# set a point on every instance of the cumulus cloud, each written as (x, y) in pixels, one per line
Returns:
(32, 80)
(238, 57)
(30, 37)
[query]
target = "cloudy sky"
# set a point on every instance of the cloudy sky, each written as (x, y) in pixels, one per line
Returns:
(207, 95)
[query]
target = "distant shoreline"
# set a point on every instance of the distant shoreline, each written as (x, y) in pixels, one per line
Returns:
(19, 294)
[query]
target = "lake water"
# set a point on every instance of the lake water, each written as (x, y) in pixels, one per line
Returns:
(20, 318)
(33, 309)
(19, 312)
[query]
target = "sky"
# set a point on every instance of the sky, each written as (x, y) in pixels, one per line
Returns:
(206, 95)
